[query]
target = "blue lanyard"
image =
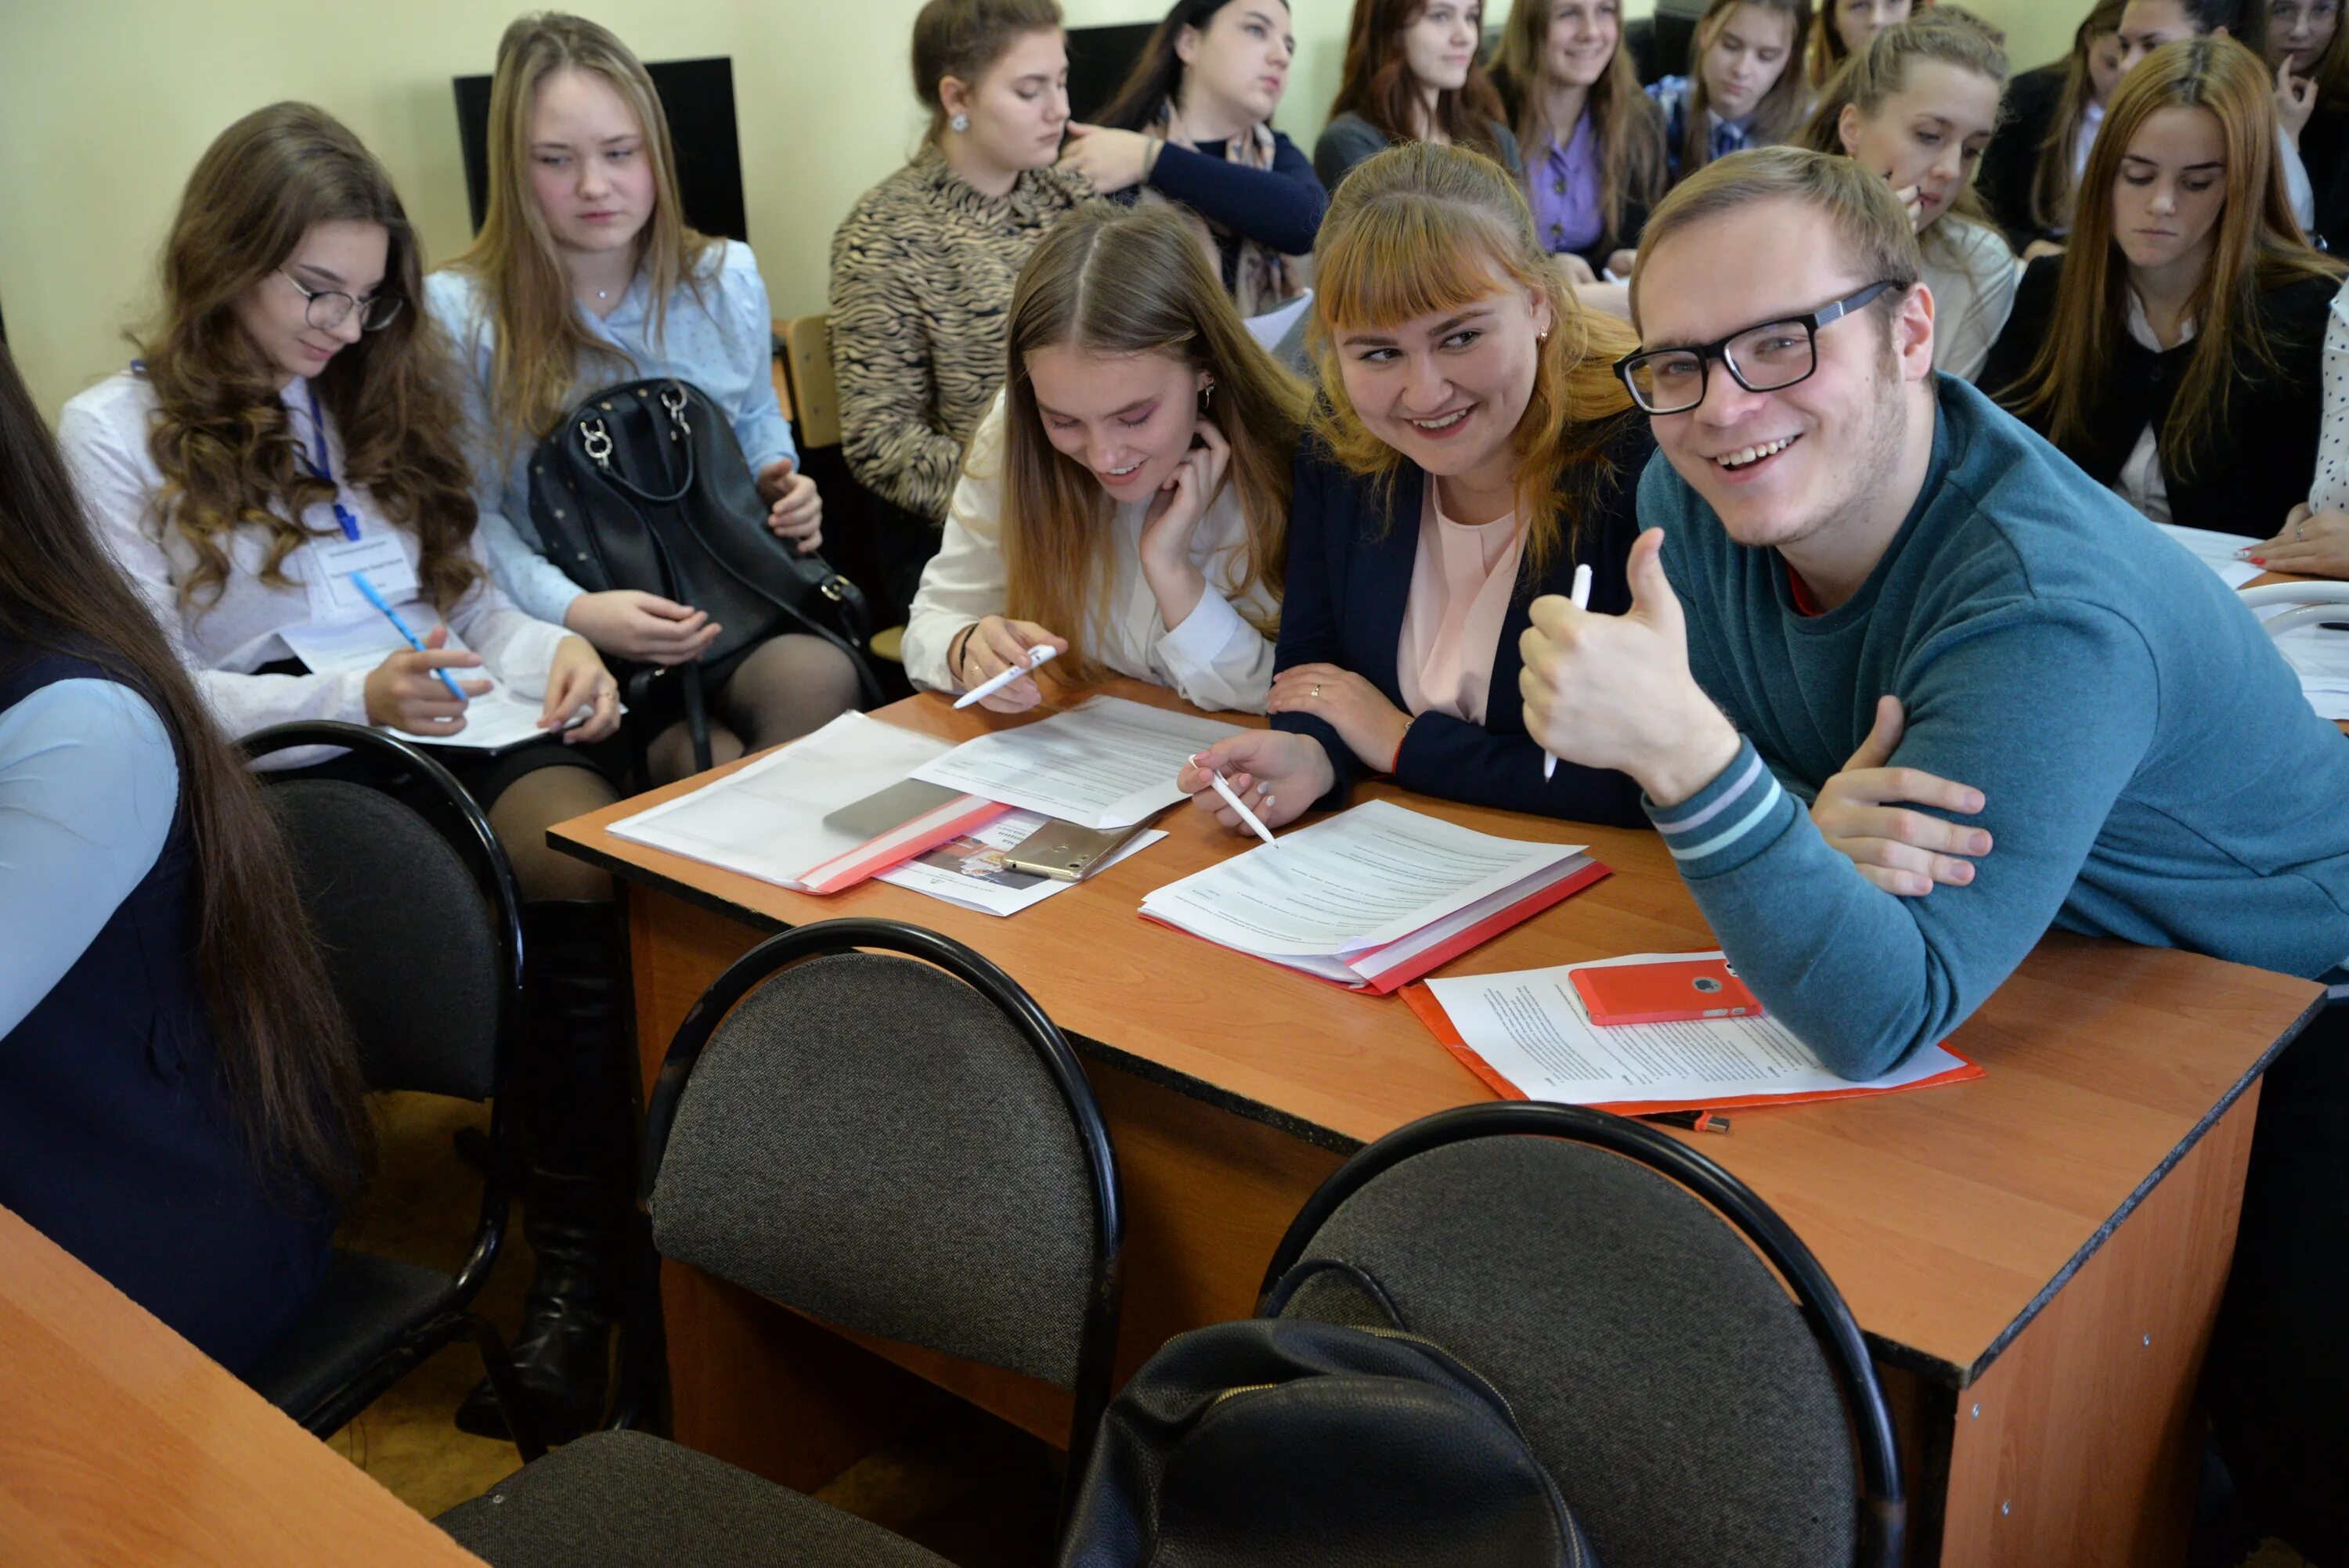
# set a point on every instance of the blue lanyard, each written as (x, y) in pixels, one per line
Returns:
(318, 465)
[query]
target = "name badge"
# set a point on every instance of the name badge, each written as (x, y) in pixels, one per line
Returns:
(334, 597)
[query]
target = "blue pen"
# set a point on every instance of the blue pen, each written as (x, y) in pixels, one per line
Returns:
(374, 597)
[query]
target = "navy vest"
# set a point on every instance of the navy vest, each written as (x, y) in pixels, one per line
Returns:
(116, 1137)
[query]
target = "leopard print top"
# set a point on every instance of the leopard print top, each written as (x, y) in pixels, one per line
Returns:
(922, 270)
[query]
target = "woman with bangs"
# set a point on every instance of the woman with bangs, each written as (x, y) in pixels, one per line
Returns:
(1125, 500)
(2175, 350)
(584, 273)
(1473, 447)
(1918, 106)
(1593, 142)
(1412, 74)
(293, 420)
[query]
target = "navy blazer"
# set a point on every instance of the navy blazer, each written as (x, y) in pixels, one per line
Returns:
(1353, 543)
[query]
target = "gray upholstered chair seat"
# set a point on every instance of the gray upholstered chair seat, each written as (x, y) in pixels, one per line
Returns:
(590, 1504)
(364, 1308)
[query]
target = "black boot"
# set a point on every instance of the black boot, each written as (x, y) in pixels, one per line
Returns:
(578, 1082)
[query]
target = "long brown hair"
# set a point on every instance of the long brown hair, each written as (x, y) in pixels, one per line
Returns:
(1949, 33)
(2049, 197)
(1421, 228)
(1827, 51)
(227, 452)
(1375, 81)
(2330, 73)
(1625, 119)
(2257, 247)
(1780, 111)
(287, 1051)
(1156, 78)
(540, 341)
(1113, 281)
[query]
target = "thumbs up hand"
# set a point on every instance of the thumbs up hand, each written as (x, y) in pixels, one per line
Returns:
(1614, 691)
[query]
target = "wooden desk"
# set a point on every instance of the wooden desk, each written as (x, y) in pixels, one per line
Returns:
(122, 1443)
(2036, 1256)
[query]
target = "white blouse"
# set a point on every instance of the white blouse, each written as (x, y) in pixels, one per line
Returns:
(1972, 275)
(1215, 659)
(104, 433)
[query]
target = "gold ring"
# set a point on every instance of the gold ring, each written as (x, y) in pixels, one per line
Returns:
(1317, 689)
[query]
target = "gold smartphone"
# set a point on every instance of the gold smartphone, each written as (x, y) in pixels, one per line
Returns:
(1065, 851)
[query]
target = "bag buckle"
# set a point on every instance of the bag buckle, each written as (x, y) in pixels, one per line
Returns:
(673, 400)
(833, 589)
(598, 442)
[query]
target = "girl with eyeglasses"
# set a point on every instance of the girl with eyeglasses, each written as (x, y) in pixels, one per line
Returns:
(2302, 42)
(1472, 447)
(2174, 350)
(1918, 106)
(267, 444)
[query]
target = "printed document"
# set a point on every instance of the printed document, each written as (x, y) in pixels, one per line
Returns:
(2216, 551)
(1363, 878)
(1531, 1027)
(969, 870)
(766, 821)
(498, 718)
(1105, 763)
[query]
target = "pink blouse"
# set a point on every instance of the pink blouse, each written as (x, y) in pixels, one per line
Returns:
(1460, 582)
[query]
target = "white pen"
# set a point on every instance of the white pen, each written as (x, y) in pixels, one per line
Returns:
(1038, 658)
(1581, 602)
(1231, 798)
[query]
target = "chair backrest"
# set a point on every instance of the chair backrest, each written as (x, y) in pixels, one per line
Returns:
(2289, 606)
(815, 401)
(904, 1148)
(412, 946)
(1659, 1366)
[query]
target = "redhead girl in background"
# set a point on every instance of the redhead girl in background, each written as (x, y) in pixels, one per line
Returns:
(1410, 74)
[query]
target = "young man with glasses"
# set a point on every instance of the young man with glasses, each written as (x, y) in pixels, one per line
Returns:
(1873, 612)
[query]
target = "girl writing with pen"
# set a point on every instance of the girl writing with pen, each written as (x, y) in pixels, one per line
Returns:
(1124, 504)
(291, 423)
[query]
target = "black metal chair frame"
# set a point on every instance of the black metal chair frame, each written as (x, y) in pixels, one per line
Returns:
(641, 1341)
(450, 1316)
(1884, 1509)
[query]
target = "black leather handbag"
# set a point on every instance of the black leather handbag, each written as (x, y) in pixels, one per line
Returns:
(643, 486)
(1294, 1443)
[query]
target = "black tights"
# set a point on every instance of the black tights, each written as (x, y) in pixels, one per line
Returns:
(535, 802)
(788, 686)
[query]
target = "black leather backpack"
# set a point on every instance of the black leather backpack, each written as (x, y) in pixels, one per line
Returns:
(1280, 1443)
(643, 486)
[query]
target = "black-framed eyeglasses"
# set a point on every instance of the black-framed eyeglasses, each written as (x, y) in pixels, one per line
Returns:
(1763, 358)
(326, 309)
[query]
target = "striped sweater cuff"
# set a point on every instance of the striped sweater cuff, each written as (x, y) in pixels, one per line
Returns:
(1729, 822)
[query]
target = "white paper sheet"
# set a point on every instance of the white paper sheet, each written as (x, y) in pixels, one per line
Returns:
(2321, 658)
(2216, 551)
(1531, 1027)
(767, 820)
(969, 870)
(1105, 763)
(1273, 325)
(495, 720)
(1362, 878)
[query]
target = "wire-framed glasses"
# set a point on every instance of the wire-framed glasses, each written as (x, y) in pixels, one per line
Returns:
(326, 309)
(1764, 359)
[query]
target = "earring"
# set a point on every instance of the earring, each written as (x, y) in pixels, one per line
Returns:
(960, 122)
(1208, 395)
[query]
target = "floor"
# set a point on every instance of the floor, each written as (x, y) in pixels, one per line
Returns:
(972, 1491)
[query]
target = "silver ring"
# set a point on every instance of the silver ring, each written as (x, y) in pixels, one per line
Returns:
(2299, 531)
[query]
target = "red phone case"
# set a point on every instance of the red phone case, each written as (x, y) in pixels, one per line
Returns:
(1664, 993)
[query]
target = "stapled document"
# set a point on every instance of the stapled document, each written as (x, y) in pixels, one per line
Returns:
(1105, 763)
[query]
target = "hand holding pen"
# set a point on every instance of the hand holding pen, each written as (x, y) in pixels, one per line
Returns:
(414, 692)
(1581, 602)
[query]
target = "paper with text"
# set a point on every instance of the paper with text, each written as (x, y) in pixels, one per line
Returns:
(1529, 1026)
(2216, 551)
(1365, 877)
(497, 719)
(1105, 763)
(766, 821)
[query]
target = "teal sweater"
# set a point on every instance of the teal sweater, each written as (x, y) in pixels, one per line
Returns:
(2149, 768)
